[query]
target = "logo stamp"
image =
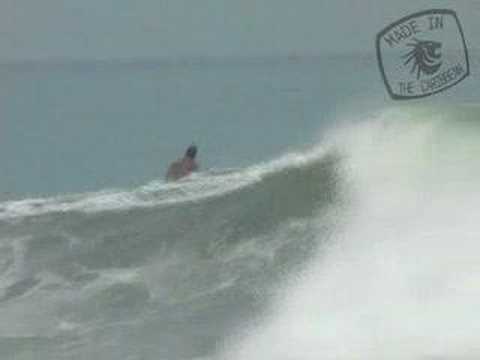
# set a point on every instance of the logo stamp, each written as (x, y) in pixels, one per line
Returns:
(422, 54)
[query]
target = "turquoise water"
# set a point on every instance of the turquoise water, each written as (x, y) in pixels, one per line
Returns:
(329, 222)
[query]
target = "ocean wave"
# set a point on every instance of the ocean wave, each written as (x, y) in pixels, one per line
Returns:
(198, 187)
(310, 251)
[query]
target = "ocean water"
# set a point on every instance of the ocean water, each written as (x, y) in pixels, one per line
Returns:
(328, 222)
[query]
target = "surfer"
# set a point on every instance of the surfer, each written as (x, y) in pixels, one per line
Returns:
(184, 166)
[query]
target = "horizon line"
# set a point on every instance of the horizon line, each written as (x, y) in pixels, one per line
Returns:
(57, 60)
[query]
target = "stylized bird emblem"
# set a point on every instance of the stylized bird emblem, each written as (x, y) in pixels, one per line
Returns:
(425, 56)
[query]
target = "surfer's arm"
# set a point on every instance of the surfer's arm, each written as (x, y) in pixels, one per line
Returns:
(173, 172)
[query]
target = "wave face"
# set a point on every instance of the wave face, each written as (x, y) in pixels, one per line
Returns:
(166, 268)
(364, 246)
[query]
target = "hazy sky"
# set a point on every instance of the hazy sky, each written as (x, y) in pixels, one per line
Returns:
(105, 29)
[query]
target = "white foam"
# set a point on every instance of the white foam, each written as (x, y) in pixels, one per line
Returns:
(402, 280)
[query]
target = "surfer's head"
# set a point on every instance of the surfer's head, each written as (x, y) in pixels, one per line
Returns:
(191, 152)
